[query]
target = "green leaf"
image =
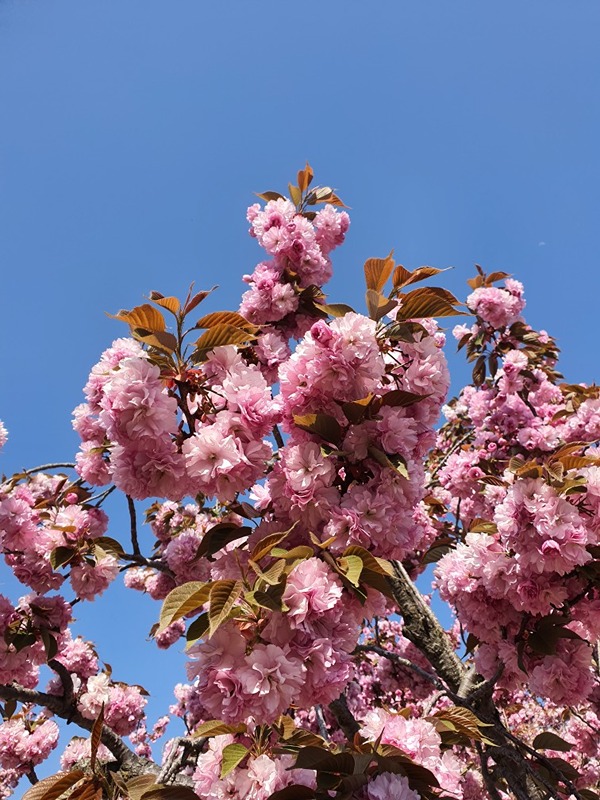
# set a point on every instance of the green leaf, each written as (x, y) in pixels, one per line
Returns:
(295, 791)
(108, 545)
(265, 546)
(397, 464)
(223, 595)
(551, 741)
(323, 425)
(233, 754)
(182, 600)
(169, 793)
(335, 309)
(215, 727)
(379, 565)
(398, 398)
(197, 629)
(351, 567)
(61, 556)
(301, 551)
(220, 535)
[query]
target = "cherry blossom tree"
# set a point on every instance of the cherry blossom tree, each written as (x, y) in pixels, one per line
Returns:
(296, 483)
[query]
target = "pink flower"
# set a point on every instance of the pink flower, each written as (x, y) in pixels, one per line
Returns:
(270, 680)
(90, 581)
(311, 591)
(389, 786)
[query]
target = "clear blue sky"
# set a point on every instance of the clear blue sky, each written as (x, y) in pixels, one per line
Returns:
(133, 133)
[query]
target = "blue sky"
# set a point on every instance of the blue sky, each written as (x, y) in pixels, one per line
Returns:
(133, 133)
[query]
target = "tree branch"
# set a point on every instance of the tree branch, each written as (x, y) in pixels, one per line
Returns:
(68, 711)
(345, 718)
(422, 628)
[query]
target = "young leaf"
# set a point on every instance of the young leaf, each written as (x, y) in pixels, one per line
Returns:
(268, 196)
(428, 302)
(144, 316)
(53, 787)
(170, 303)
(194, 301)
(95, 737)
(378, 305)
(377, 271)
(218, 336)
(162, 340)
(402, 277)
(226, 318)
(305, 177)
(295, 194)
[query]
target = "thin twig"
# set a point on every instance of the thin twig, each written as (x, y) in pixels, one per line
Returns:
(320, 717)
(31, 776)
(99, 498)
(46, 467)
(402, 662)
(278, 437)
(141, 561)
(450, 452)
(133, 524)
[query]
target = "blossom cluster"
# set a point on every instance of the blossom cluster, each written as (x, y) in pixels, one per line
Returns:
(525, 491)
(293, 454)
